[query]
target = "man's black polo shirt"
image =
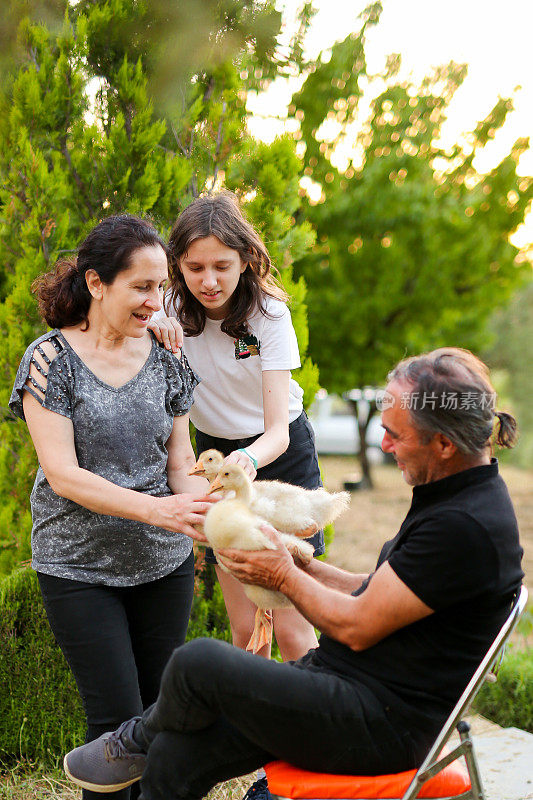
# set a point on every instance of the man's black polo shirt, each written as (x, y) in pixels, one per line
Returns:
(458, 551)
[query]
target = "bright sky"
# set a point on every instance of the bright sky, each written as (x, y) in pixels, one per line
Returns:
(491, 36)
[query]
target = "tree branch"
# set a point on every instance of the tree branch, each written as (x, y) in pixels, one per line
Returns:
(77, 179)
(218, 146)
(183, 149)
(66, 155)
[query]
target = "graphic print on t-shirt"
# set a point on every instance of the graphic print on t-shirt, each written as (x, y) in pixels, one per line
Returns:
(246, 346)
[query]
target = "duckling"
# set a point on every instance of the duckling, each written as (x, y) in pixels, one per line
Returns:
(231, 523)
(209, 463)
(288, 508)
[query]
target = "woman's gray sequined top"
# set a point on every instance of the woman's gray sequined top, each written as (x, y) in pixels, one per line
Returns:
(120, 434)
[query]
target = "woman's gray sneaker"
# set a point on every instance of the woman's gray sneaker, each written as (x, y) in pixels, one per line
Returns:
(109, 763)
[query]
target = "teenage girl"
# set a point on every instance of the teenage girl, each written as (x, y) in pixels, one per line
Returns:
(239, 338)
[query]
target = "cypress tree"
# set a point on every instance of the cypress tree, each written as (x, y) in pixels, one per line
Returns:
(87, 131)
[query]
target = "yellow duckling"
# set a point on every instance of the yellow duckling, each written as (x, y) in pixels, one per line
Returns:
(231, 523)
(288, 508)
(209, 464)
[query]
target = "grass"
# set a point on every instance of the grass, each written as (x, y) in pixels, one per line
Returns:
(374, 517)
(26, 782)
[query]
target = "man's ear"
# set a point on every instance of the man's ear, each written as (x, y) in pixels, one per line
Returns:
(444, 447)
(94, 284)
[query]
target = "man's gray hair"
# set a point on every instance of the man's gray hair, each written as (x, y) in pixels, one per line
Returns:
(450, 393)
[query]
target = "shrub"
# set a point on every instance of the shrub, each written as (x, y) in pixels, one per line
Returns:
(208, 615)
(509, 701)
(41, 715)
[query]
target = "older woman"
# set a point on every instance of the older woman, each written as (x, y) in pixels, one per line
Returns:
(113, 507)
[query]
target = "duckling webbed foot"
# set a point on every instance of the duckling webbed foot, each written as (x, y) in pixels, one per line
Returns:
(305, 533)
(262, 633)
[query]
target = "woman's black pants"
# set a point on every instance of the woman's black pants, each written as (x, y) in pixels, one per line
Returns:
(117, 641)
(222, 712)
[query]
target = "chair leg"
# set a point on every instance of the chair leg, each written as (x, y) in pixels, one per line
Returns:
(471, 761)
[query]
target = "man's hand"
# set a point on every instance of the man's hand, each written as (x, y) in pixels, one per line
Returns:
(267, 568)
(359, 622)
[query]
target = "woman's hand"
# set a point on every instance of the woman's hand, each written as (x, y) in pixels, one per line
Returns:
(180, 512)
(169, 332)
(244, 461)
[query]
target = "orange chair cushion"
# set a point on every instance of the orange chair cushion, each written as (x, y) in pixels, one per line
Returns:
(288, 781)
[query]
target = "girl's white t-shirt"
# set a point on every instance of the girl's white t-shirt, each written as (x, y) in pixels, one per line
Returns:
(228, 402)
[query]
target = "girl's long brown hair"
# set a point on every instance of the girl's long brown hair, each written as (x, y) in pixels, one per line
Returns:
(220, 215)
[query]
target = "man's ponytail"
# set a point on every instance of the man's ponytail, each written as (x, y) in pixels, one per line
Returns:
(507, 432)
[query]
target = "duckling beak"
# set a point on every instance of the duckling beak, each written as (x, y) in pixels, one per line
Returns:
(198, 468)
(215, 486)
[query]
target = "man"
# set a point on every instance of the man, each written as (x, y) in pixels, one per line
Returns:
(397, 646)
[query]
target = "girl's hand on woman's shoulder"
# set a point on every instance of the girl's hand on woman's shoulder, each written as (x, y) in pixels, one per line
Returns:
(168, 331)
(183, 513)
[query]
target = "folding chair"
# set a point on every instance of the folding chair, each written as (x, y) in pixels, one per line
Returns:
(439, 776)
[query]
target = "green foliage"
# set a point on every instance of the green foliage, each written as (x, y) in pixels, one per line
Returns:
(509, 701)
(41, 715)
(413, 246)
(40, 711)
(209, 616)
(174, 40)
(337, 82)
(67, 159)
(60, 175)
(329, 535)
(510, 352)
(12, 52)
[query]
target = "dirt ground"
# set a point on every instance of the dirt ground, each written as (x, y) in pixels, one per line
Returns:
(376, 515)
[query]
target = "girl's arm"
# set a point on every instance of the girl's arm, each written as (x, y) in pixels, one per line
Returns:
(275, 439)
(53, 438)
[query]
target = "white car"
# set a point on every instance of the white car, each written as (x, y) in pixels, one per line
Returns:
(336, 430)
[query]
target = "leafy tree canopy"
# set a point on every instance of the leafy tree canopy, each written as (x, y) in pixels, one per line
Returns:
(413, 247)
(413, 243)
(88, 131)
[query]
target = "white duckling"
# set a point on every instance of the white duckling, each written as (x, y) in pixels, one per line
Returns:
(231, 523)
(288, 508)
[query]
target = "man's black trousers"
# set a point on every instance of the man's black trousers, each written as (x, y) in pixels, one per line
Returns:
(222, 712)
